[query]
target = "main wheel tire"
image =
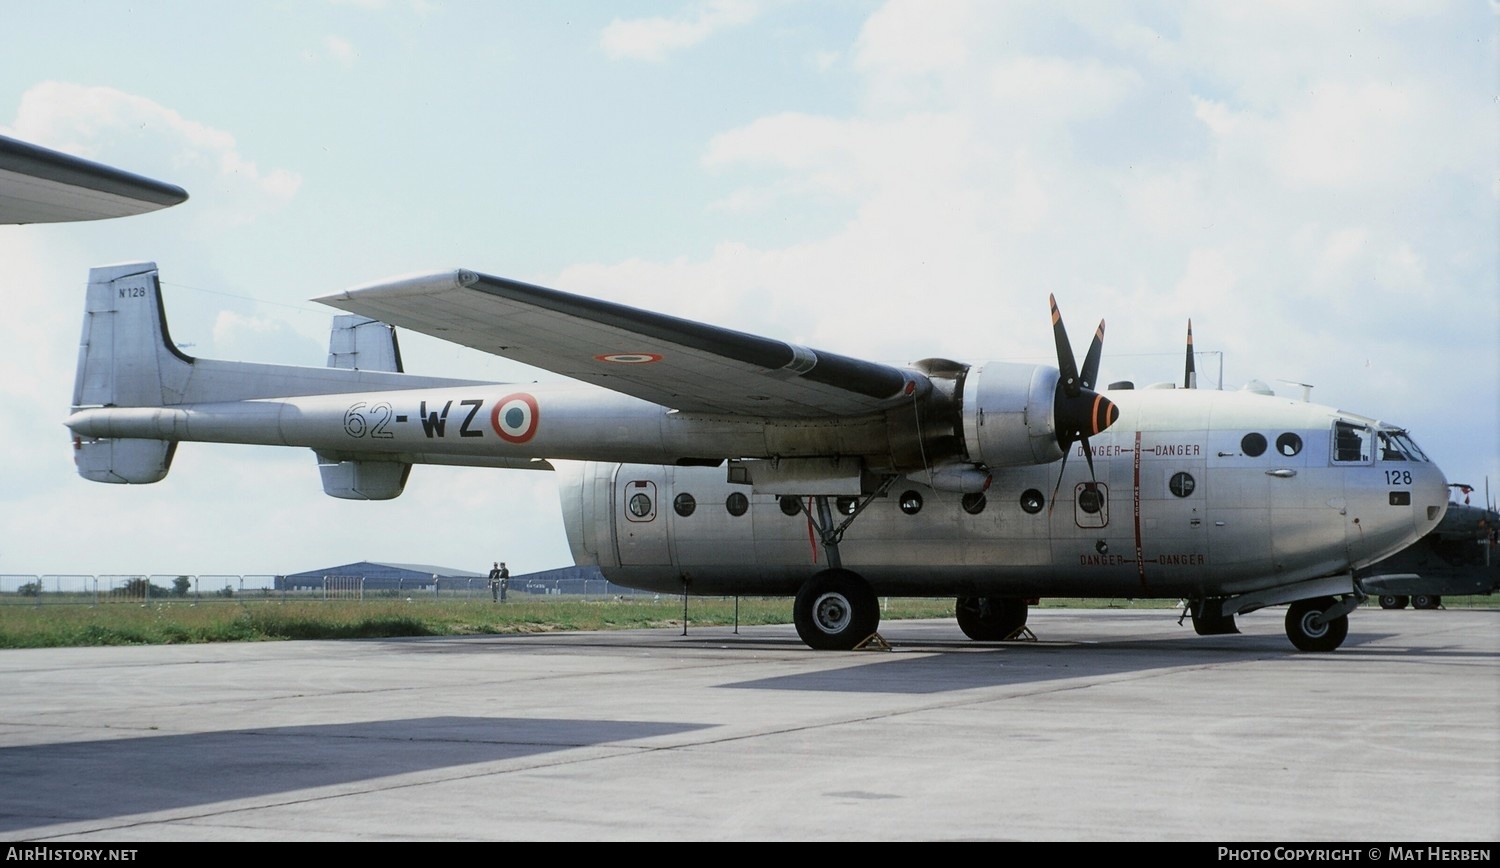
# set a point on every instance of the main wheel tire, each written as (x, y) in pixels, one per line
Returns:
(835, 610)
(1425, 601)
(990, 619)
(1392, 601)
(1310, 631)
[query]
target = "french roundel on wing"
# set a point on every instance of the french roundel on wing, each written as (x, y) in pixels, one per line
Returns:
(515, 418)
(629, 358)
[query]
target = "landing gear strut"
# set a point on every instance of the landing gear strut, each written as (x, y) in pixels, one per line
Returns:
(836, 610)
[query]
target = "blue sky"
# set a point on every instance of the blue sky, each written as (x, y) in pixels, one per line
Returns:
(1315, 185)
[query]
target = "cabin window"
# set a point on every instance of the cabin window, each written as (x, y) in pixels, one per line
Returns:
(1032, 501)
(640, 505)
(1289, 444)
(1253, 444)
(684, 503)
(1352, 443)
(737, 503)
(911, 502)
(974, 503)
(789, 504)
(1090, 499)
(1182, 484)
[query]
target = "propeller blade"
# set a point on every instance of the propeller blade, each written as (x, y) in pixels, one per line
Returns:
(1077, 410)
(1057, 486)
(1090, 373)
(1190, 375)
(1065, 361)
(1088, 455)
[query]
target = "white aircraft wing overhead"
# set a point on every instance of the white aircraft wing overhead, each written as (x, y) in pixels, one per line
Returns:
(38, 185)
(678, 363)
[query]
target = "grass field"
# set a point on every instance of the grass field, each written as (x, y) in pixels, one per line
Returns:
(53, 625)
(122, 623)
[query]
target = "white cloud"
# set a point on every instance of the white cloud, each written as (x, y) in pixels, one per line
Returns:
(1055, 90)
(261, 339)
(340, 49)
(652, 39)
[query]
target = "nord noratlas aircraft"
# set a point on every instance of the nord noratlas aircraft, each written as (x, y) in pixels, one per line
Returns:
(696, 459)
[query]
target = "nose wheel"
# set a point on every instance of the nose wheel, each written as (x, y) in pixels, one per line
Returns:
(1310, 627)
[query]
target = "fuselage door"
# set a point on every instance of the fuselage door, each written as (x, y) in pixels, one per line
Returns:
(640, 523)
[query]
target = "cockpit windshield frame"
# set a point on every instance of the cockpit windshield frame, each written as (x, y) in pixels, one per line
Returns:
(1397, 445)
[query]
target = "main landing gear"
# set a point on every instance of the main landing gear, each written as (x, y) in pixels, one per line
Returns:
(991, 619)
(836, 610)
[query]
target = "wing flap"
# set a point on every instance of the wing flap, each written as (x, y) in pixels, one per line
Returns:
(679, 363)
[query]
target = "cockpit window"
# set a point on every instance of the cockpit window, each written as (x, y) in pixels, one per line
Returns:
(1351, 443)
(1397, 445)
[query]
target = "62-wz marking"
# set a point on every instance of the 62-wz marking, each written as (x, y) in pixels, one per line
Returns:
(369, 420)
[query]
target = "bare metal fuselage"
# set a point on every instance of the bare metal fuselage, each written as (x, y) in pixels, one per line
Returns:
(1185, 513)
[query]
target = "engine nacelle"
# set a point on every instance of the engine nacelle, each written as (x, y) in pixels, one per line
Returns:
(1008, 414)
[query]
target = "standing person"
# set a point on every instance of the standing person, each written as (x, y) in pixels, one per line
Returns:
(504, 580)
(495, 574)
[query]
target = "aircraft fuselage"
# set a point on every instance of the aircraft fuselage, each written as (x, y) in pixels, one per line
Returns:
(1182, 511)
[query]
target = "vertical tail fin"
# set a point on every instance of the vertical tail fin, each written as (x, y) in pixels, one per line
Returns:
(361, 343)
(126, 359)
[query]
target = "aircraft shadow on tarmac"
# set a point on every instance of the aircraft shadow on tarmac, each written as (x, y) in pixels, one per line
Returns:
(78, 781)
(928, 660)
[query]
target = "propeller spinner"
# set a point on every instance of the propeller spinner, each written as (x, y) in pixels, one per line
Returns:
(1077, 409)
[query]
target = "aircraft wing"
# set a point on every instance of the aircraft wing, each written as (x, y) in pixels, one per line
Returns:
(38, 185)
(678, 363)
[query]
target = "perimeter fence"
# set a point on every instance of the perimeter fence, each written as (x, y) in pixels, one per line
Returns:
(105, 589)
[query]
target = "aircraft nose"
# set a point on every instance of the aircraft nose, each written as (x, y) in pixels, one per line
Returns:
(1435, 491)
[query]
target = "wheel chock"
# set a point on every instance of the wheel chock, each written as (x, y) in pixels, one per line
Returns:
(1021, 634)
(873, 642)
